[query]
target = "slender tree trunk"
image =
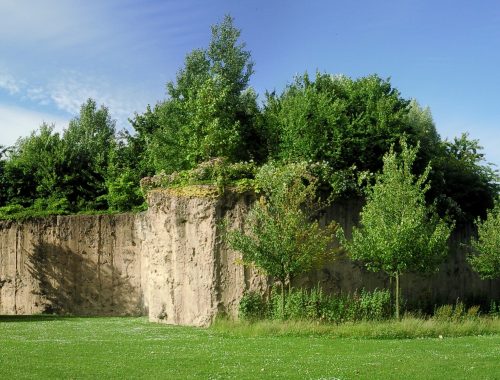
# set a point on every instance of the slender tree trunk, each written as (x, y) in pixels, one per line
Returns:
(283, 299)
(397, 294)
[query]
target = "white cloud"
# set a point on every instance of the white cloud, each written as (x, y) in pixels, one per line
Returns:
(18, 122)
(39, 95)
(7, 82)
(73, 89)
(69, 91)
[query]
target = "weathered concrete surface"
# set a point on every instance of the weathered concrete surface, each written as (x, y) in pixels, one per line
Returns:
(193, 277)
(454, 280)
(82, 265)
(172, 264)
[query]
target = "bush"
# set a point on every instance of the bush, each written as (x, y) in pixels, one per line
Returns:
(217, 171)
(494, 308)
(456, 313)
(10, 210)
(252, 306)
(315, 305)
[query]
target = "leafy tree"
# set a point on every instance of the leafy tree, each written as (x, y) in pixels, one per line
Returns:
(210, 111)
(49, 172)
(281, 236)
(463, 184)
(125, 170)
(34, 170)
(398, 232)
(485, 259)
(88, 141)
(3, 196)
(336, 119)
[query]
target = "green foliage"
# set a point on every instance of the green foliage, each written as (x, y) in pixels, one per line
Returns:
(210, 111)
(462, 184)
(456, 313)
(485, 257)
(349, 125)
(251, 306)
(494, 308)
(217, 171)
(338, 120)
(315, 305)
(49, 173)
(124, 193)
(280, 235)
(89, 139)
(35, 167)
(125, 170)
(398, 232)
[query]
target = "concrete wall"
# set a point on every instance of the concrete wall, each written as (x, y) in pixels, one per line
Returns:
(172, 264)
(454, 279)
(82, 265)
(193, 276)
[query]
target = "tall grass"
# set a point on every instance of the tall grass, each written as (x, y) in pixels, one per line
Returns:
(408, 327)
(314, 305)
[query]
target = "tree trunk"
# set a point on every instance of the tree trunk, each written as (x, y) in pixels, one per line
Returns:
(396, 275)
(283, 300)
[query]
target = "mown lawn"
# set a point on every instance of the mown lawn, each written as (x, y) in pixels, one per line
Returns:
(99, 348)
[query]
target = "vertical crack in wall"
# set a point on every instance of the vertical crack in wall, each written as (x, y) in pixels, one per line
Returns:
(99, 244)
(16, 274)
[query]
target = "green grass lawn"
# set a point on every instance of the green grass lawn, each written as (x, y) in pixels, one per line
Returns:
(57, 347)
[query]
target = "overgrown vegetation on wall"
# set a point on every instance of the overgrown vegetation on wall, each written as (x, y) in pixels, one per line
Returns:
(344, 125)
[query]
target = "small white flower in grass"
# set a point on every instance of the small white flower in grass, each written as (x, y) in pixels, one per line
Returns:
(440, 337)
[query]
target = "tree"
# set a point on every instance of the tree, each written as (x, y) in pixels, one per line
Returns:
(88, 142)
(281, 236)
(3, 196)
(126, 168)
(48, 171)
(398, 232)
(210, 110)
(336, 119)
(463, 183)
(485, 257)
(34, 170)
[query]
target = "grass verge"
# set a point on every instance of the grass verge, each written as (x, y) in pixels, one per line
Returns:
(407, 328)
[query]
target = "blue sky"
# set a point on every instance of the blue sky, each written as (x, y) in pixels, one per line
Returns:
(54, 54)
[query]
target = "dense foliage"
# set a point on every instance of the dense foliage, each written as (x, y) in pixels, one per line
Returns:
(280, 235)
(485, 259)
(341, 126)
(61, 173)
(398, 232)
(315, 305)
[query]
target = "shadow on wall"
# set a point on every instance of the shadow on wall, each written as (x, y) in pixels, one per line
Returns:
(80, 284)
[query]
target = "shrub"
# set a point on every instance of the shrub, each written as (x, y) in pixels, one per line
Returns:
(217, 171)
(494, 308)
(473, 312)
(374, 305)
(456, 313)
(315, 305)
(251, 306)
